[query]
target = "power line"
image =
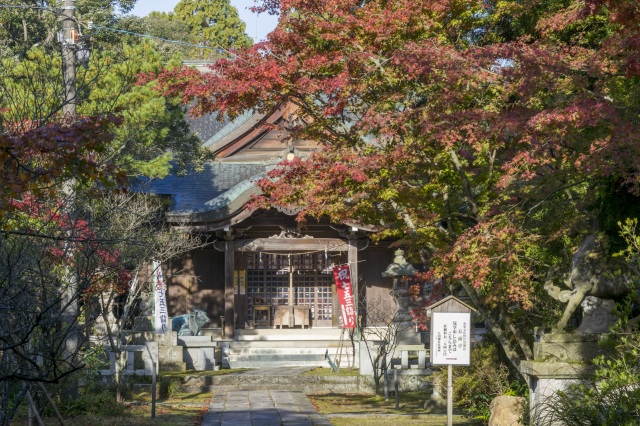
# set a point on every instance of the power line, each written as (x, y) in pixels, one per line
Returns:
(198, 46)
(166, 40)
(20, 6)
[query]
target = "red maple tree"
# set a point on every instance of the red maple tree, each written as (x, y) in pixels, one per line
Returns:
(36, 159)
(481, 133)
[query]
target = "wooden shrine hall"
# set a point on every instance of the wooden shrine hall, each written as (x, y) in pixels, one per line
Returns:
(261, 270)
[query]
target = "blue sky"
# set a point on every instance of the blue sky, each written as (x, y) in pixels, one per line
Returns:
(258, 26)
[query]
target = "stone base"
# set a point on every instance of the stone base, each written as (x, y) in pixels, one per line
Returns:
(556, 370)
(567, 347)
(547, 378)
(366, 367)
(199, 359)
(170, 359)
(560, 361)
(140, 338)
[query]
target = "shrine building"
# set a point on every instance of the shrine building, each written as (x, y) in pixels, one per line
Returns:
(260, 269)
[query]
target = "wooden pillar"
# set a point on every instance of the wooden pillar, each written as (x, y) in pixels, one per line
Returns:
(229, 289)
(353, 264)
(335, 318)
(290, 282)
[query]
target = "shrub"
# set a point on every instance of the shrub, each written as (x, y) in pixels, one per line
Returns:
(92, 401)
(169, 387)
(610, 397)
(476, 385)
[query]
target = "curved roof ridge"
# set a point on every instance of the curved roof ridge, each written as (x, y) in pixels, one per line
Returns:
(228, 203)
(230, 127)
(227, 197)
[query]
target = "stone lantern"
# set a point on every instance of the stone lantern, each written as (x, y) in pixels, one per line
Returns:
(399, 270)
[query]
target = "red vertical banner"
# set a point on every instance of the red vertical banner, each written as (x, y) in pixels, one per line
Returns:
(342, 276)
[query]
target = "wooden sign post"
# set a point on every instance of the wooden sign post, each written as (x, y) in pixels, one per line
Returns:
(450, 339)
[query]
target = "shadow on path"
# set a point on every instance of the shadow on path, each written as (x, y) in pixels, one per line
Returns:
(262, 408)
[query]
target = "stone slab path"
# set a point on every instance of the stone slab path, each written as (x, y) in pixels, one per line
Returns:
(250, 407)
(262, 408)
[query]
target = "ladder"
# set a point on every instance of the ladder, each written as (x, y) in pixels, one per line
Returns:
(335, 364)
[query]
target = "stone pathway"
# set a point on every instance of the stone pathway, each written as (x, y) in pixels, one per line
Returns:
(262, 408)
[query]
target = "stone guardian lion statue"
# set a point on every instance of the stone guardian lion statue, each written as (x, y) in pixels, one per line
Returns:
(190, 324)
(592, 281)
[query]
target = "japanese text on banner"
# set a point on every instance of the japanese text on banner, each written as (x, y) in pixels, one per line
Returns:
(161, 315)
(342, 277)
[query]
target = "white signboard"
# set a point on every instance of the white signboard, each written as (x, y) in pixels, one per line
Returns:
(161, 317)
(451, 334)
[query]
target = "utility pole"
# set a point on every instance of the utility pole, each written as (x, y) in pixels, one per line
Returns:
(69, 40)
(69, 300)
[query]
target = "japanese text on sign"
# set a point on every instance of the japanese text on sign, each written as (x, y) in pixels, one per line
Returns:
(342, 277)
(160, 301)
(451, 338)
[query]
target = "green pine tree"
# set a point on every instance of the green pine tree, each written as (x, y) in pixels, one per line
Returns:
(214, 22)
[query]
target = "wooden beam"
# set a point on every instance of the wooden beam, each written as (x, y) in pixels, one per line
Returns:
(292, 244)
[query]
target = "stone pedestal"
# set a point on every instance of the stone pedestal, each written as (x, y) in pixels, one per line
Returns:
(366, 367)
(403, 301)
(169, 353)
(199, 352)
(560, 360)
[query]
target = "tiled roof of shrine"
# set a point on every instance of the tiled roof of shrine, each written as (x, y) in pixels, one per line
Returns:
(218, 185)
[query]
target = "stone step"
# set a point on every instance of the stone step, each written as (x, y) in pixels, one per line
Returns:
(285, 351)
(281, 361)
(287, 344)
(197, 341)
(253, 357)
(275, 333)
(293, 358)
(287, 356)
(268, 334)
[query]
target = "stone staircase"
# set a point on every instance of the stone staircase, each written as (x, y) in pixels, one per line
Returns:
(250, 348)
(259, 348)
(284, 354)
(267, 348)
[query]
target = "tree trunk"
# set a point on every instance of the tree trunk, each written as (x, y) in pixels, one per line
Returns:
(117, 375)
(512, 355)
(54, 407)
(25, 32)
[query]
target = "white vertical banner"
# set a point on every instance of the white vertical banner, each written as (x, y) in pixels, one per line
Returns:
(161, 317)
(451, 338)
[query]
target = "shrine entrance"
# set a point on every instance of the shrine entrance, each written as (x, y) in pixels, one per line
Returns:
(287, 290)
